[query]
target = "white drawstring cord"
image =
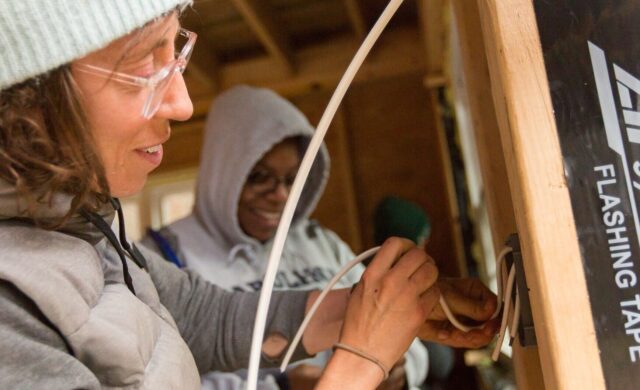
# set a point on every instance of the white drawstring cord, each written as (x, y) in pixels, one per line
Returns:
(296, 190)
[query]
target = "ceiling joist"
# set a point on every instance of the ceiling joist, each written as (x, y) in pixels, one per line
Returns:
(203, 66)
(321, 66)
(358, 23)
(261, 20)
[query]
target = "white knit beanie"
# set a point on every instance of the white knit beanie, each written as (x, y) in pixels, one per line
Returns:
(40, 35)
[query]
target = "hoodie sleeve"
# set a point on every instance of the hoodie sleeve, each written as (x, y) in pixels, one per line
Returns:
(34, 355)
(217, 324)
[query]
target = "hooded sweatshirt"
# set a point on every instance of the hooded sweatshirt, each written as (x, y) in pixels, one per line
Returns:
(68, 320)
(244, 124)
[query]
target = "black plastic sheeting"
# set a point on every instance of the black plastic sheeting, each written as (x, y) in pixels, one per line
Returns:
(592, 57)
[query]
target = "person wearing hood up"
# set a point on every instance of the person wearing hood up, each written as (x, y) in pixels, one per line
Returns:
(88, 91)
(254, 141)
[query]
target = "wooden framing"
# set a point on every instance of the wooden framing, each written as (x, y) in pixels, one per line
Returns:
(354, 10)
(261, 21)
(433, 32)
(340, 192)
(320, 67)
(564, 327)
(203, 67)
(491, 157)
(456, 229)
(433, 36)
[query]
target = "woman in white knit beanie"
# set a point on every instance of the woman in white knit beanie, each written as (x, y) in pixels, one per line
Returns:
(87, 91)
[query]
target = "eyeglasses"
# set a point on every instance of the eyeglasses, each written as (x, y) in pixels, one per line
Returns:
(263, 182)
(156, 84)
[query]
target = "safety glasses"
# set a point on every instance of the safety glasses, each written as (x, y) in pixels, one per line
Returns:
(158, 83)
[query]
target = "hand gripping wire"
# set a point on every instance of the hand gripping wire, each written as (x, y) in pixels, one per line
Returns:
(504, 294)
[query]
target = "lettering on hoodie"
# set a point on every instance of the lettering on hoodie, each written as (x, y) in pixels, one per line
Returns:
(301, 278)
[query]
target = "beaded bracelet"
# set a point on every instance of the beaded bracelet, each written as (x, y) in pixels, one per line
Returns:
(364, 355)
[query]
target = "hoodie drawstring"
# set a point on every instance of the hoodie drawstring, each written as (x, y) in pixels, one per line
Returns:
(135, 255)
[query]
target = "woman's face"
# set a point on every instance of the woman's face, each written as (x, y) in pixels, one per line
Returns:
(262, 202)
(129, 145)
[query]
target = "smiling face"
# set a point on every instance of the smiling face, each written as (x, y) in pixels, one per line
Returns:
(259, 210)
(129, 146)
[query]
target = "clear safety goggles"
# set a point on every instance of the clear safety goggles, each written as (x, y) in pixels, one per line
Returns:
(158, 83)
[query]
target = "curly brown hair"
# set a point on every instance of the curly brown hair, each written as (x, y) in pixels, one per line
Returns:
(46, 146)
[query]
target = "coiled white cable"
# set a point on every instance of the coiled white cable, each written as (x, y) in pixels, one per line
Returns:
(296, 190)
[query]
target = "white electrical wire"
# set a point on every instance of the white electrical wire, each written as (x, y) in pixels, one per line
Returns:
(296, 190)
(501, 275)
(505, 313)
(452, 318)
(466, 328)
(445, 307)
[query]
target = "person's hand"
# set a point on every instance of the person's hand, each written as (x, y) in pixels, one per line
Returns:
(391, 302)
(471, 301)
(397, 377)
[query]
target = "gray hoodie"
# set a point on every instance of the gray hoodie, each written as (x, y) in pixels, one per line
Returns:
(67, 320)
(243, 124)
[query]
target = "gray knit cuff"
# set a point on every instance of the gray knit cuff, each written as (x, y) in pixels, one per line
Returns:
(40, 35)
(294, 304)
